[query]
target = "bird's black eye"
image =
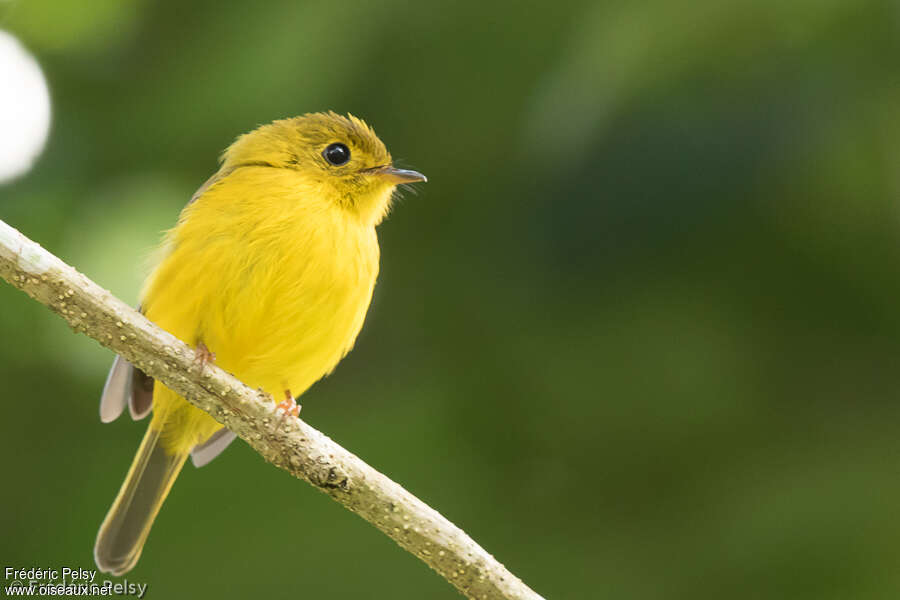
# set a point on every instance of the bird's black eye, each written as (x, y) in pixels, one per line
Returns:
(337, 154)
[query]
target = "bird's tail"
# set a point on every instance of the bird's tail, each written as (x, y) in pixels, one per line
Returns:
(127, 524)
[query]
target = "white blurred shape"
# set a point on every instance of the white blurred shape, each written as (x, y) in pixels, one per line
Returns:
(24, 108)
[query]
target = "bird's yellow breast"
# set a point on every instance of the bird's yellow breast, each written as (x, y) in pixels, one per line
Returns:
(276, 283)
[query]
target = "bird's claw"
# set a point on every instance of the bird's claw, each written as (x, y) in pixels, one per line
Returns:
(286, 407)
(203, 356)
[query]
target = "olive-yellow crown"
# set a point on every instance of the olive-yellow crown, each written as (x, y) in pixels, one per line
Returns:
(339, 154)
(301, 142)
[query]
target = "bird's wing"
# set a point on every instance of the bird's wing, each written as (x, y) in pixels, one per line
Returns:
(141, 401)
(116, 391)
(126, 385)
(211, 448)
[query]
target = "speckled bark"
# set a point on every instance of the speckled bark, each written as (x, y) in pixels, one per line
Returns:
(291, 445)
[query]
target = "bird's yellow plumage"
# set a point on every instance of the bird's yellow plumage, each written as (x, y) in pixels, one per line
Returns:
(271, 267)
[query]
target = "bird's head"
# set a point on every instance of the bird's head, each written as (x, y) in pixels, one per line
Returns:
(338, 157)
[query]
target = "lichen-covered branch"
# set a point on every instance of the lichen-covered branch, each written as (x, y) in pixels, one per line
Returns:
(291, 445)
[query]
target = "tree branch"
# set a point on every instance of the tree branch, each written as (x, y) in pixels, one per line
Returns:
(293, 446)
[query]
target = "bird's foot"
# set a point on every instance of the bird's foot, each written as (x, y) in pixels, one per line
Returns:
(286, 407)
(203, 356)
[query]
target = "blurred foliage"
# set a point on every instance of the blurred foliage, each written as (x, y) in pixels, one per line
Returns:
(638, 335)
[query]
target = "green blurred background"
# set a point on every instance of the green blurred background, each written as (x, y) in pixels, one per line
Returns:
(638, 335)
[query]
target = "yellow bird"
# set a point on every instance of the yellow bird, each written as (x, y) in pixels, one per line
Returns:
(269, 272)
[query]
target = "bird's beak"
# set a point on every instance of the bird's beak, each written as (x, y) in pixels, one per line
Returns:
(397, 176)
